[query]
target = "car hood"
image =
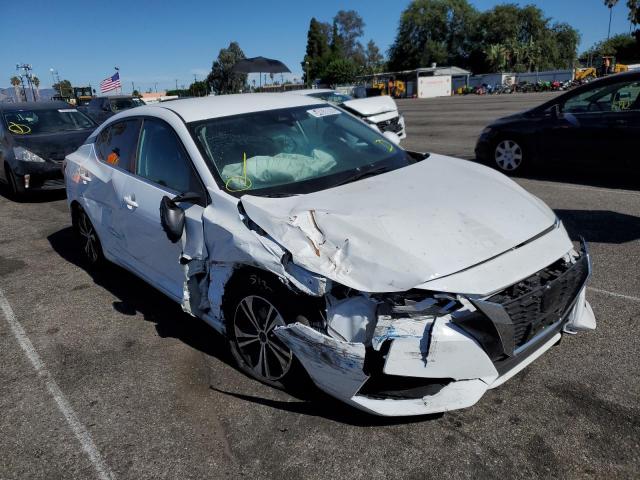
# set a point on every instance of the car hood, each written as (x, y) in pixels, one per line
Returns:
(397, 230)
(53, 146)
(368, 107)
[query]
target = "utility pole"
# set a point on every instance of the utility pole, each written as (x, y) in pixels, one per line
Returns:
(26, 68)
(176, 84)
(133, 88)
(155, 86)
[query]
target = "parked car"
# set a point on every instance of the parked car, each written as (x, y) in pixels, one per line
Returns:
(380, 112)
(597, 124)
(34, 139)
(396, 280)
(101, 108)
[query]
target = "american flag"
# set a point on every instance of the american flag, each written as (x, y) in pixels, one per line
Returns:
(110, 83)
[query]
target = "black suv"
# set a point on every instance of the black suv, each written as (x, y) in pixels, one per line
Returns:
(101, 108)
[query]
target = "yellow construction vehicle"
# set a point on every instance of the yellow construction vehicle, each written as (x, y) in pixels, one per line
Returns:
(606, 65)
(584, 73)
(391, 86)
(612, 66)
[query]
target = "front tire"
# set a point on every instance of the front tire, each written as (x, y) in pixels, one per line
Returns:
(15, 190)
(254, 304)
(509, 156)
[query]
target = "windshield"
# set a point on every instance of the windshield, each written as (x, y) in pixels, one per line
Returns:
(333, 97)
(124, 103)
(33, 122)
(293, 150)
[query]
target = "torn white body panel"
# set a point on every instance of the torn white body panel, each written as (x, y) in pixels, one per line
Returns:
(334, 366)
(368, 107)
(337, 367)
(451, 353)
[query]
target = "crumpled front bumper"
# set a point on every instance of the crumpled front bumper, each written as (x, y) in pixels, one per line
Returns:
(438, 351)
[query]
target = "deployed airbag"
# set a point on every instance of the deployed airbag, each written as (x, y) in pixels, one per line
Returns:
(264, 171)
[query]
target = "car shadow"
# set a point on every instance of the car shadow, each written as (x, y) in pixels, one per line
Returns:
(600, 226)
(42, 196)
(135, 296)
(591, 177)
(325, 406)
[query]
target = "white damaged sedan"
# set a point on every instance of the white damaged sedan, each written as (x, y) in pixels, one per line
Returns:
(402, 283)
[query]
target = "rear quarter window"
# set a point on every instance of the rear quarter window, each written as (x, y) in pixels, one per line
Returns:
(116, 145)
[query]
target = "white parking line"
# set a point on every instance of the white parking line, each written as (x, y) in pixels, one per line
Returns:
(614, 294)
(79, 430)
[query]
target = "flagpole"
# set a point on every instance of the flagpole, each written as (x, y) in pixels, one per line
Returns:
(120, 81)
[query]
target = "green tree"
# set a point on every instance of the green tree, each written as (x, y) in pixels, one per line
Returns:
(198, 89)
(16, 83)
(222, 78)
(336, 47)
(317, 54)
(497, 56)
(136, 93)
(340, 71)
(373, 58)
(350, 28)
(64, 88)
(532, 42)
(430, 31)
(624, 47)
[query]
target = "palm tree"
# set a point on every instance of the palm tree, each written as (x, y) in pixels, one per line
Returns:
(610, 4)
(16, 82)
(36, 83)
(496, 56)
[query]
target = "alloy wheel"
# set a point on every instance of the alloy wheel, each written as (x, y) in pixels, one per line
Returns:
(88, 238)
(253, 323)
(508, 155)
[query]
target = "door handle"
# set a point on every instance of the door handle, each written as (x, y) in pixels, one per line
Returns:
(130, 200)
(84, 177)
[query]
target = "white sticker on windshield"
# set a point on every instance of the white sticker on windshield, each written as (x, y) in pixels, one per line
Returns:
(323, 112)
(67, 110)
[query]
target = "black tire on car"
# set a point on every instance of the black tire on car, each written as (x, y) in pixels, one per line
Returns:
(509, 155)
(14, 188)
(89, 242)
(254, 304)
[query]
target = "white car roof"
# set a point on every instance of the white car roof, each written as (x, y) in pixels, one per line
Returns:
(309, 91)
(203, 108)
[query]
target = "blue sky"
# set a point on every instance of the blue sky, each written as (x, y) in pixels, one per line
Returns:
(162, 41)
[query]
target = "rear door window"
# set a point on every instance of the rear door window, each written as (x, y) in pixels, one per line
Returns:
(116, 145)
(163, 161)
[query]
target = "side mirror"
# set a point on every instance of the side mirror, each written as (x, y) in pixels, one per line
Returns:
(172, 216)
(171, 219)
(555, 111)
(392, 137)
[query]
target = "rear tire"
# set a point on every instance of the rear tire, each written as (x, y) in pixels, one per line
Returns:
(90, 246)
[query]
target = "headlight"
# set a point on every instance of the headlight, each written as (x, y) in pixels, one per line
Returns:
(416, 303)
(486, 131)
(25, 155)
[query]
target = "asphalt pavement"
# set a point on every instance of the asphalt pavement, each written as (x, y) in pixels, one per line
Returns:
(103, 377)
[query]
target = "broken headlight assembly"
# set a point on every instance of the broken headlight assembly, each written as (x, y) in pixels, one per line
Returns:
(24, 155)
(416, 303)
